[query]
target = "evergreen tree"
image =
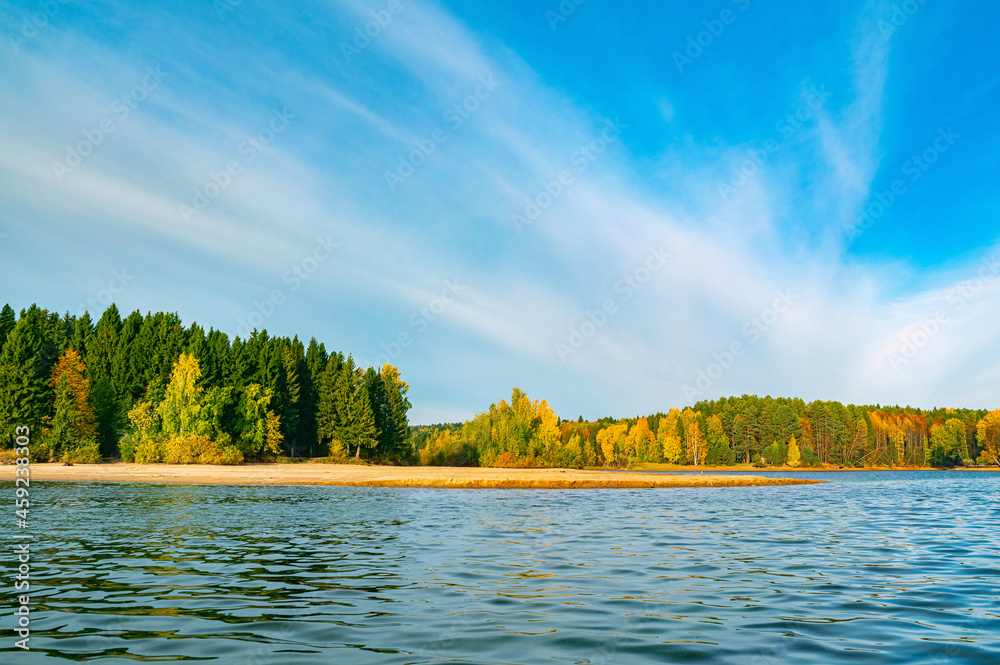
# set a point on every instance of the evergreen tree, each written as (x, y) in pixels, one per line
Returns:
(361, 426)
(83, 329)
(311, 371)
(7, 323)
(292, 396)
(25, 369)
(101, 348)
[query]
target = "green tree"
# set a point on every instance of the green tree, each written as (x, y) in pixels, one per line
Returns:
(395, 427)
(72, 432)
(948, 443)
(25, 372)
(7, 323)
(720, 452)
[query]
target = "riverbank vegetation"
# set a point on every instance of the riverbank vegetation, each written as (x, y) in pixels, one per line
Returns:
(145, 388)
(748, 430)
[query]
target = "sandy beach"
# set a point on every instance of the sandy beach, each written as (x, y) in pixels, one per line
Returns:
(387, 476)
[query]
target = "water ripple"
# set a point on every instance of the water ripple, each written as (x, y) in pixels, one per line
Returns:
(873, 568)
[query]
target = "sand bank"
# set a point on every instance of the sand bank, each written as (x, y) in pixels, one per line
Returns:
(386, 476)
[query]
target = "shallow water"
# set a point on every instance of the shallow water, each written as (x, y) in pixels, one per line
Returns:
(874, 567)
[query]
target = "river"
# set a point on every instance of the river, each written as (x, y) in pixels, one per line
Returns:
(873, 567)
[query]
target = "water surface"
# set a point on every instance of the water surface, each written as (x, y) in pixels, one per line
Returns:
(874, 567)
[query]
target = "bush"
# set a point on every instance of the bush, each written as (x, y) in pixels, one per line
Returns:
(507, 460)
(147, 451)
(199, 450)
(85, 452)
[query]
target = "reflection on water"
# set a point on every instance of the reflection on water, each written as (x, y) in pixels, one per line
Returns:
(871, 568)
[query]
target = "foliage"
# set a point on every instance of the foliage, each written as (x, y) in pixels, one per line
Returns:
(70, 434)
(199, 384)
(988, 435)
(794, 456)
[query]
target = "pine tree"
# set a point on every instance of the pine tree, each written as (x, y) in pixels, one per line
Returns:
(310, 378)
(83, 329)
(362, 419)
(101, 349)
(333, 399)
(343, 401)
(292, 394)
(7, 323)
(25, 369)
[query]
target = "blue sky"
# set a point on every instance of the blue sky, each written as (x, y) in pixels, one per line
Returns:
(620, 212)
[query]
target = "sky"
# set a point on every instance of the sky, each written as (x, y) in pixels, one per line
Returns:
(617, 209)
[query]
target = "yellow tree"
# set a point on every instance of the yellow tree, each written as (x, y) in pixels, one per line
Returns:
(640, 439)
(694, 439)
(182, 401)
(667, 438)
(988, 434)
(73, 433)
(548, 427)
(611, 440)
(793, 453)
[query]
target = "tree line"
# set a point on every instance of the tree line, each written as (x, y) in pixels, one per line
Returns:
(759, 431)
(146, 388)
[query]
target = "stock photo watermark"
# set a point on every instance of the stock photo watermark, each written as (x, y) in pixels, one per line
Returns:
(580, 160)
(120, 110)
(899, 16)
(787, 128)
(22, 537)
(248, 149)
(625, 288)
(420, 320)
(120, 280)
(34, 22)
(914, 169)
(456, 115)
(754, 328)
(562, 12)
(225, 7)
(364, 35)
(296, 275)
(714, 28)
(919, 336)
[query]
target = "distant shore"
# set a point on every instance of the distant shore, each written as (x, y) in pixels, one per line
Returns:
(390, 476)
(687, 468)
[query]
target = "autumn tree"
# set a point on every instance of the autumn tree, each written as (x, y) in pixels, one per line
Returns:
(793, 457)
(72, 432)
(696, 451)
(611, 440)
(181, 405)
(639, 442)
(988, 437)
(668, 437)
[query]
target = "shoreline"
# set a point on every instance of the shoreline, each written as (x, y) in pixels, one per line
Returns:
(687, 468)
(352, 475)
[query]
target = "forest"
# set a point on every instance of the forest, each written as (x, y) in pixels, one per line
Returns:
(758, 431)
(145, 388)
